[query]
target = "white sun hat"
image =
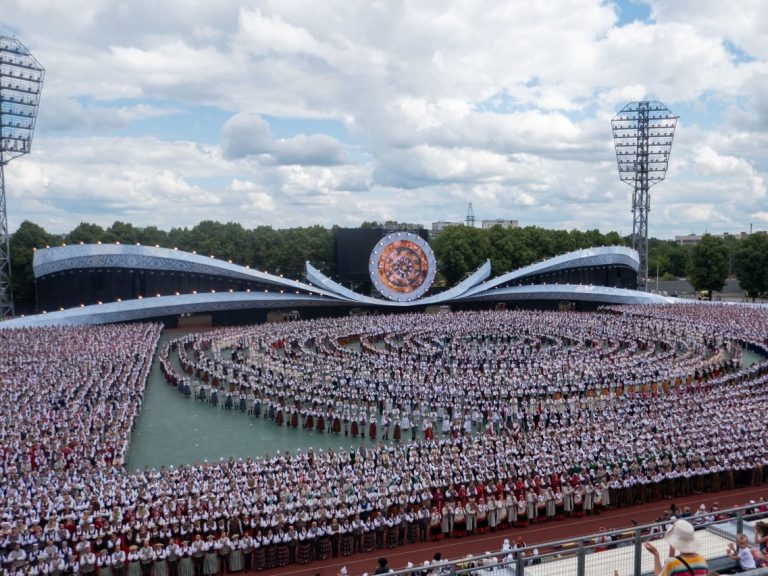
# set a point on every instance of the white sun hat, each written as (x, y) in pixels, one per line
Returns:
(682, 537)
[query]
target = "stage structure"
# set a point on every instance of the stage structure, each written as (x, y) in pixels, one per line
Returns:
(402, 266)
(104, 283)
(21, 81)
(642, 135)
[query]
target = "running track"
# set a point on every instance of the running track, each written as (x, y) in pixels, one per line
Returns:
(553, 530)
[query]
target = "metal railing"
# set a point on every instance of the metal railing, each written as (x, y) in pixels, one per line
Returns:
(602, 553)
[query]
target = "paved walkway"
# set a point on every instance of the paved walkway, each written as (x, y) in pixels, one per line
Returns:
(173, 429)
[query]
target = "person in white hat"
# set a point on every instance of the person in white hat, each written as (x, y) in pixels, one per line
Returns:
(684, 557)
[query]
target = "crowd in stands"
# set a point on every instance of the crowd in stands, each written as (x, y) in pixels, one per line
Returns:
(568, 414)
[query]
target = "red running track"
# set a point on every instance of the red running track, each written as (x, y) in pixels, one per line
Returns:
(454, 548)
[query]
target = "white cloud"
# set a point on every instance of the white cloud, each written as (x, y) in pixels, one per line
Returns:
(244, 135)
(249, 135)
(505, 104)
(68, 114)
(743, 23)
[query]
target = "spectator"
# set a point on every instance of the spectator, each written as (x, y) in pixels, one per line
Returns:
(383, 567)
(684, 557)
(748, 558)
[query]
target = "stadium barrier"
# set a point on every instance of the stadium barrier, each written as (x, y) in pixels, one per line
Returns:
(603, 553)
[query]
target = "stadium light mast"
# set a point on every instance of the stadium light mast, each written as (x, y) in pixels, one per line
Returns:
(470, 220)
(642, 135)
(21, 81)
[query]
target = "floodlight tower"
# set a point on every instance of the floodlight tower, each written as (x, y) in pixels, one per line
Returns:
(643, 134)
(21, 81)
(470, 221)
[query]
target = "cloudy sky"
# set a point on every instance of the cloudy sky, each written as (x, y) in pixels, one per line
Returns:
(286, 113)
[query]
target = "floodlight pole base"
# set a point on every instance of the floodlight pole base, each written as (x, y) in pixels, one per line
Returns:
(6, 289)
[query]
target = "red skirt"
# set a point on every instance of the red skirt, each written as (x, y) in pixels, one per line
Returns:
(279, 418)
(336, 426)
(295, 420)
(320, 424)
(372, 431)
(355, 431)
(309, 421)
(396, 433)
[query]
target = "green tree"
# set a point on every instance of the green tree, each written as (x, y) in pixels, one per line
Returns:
(668, 257)
(708, 267)
(459, 250)
(296, 246)
(750, 262)
(613, 239)
(179, 238)
(228, 241)
(122, 232)
(23, 243)
(153, 236)
(679, 259)
(85, 233)
(264, 241)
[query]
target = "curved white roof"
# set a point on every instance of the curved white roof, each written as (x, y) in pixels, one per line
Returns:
(75, 256)
(322, 292)
(600, 256)
(159, 306)
(319, 279)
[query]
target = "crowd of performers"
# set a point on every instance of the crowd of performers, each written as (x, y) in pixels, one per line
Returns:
(420, 376)
(568, 414)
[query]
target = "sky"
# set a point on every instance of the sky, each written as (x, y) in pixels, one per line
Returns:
(293, 113)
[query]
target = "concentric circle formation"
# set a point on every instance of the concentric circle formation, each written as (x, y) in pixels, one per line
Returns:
(402, 266)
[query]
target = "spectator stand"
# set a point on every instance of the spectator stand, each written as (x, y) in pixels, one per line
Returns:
(605, 552)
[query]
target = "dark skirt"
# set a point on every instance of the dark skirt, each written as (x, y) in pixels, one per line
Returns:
(304, 552)
(347, 544)
(259, 558)
(392, 536)
(271, 556)
(368, 540)
(413, 532)
(282, 554)
(325, 547)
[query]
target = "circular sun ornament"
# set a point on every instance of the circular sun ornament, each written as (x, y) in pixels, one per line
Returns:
(402, 266)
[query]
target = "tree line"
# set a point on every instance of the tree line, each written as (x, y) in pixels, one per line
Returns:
(459, 251)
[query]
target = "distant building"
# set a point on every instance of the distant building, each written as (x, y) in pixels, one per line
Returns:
(438, 227)
(691, 239)
(395, 226)
(688, 239)
(486, 224)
